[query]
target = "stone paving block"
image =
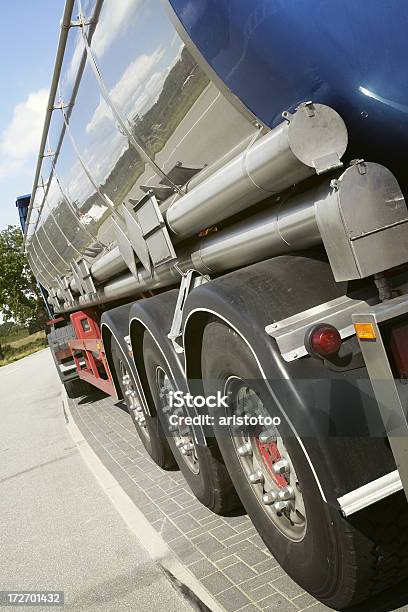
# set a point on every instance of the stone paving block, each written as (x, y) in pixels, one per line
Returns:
(286, 586)
(258, 581)
(262, 592)
(230, 550)
(252, 555)
(239, 572)
(257, 540)
(319, 607)
(185, 550)
(226, 562)
(304, 601)
(155, 492)
(168, 506)
(222, 532)
(216, 583)
(270, 563)
(249, 608)
(275, 603)
(202, 568)
(203, 529)
(207, 544)
(238, 537)
(233, 599)
(185, 523)
(169, 531)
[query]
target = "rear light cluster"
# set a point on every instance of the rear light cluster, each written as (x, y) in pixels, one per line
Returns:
(323, 341)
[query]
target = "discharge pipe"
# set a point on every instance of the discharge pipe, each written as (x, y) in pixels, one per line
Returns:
(310, 141)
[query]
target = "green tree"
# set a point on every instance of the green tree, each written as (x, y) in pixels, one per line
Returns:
(20, 298)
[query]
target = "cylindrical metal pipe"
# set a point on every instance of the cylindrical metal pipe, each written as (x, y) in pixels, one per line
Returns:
(112, 263)
(65, 24)
(283, 229)
(127, 285)
(269, 233)
(312, 140)
(108, 266)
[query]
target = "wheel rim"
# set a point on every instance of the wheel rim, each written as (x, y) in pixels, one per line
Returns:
(132, 400)
(266, 463)
(181, 434)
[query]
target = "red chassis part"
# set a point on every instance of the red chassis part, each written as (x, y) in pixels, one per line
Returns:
(88, 352)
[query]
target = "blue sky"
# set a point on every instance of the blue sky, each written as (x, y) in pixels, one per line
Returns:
(29, 34)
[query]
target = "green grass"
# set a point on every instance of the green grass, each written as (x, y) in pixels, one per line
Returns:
(22, 347)
(21, 333)
(22, 341)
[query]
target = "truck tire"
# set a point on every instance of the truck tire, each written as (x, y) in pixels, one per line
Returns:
(148, 427)
(202, 466)
(339, 561)
(58, 339)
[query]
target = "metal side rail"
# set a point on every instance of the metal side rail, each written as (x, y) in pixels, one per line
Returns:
(377, 327)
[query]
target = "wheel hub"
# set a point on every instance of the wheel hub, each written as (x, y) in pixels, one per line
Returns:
(132, 400)
(182, 434)
(267, 464)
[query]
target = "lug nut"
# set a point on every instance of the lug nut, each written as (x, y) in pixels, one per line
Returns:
(281, 506)
(179, 443)
(286, 494)
(126, 379)
(281, 467)
(267, 436)
(256, 477)
(187, 449)
(245, 450)
(269, 498)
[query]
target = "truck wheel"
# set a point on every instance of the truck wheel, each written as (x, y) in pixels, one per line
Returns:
(202, 466)
(148, 427)
(340, 562)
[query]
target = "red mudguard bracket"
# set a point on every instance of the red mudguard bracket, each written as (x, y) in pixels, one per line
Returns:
(88, 352)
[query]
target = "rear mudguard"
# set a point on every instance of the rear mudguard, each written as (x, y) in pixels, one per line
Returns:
(325, 409)
(115, 324)
(155, 315)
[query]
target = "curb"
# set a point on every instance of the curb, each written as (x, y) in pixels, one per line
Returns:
(182, 579)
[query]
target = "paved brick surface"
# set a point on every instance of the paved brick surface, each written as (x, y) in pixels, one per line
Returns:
(225, 554)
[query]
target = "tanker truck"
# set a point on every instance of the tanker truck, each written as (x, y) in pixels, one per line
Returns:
(218, 217)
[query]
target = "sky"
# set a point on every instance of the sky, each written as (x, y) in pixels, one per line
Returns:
(29, 33)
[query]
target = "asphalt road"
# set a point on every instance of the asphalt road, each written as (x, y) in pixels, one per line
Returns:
(58, 529)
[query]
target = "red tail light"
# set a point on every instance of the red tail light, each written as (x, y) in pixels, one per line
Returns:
(323, 341)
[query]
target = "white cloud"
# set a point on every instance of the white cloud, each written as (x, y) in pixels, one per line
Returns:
(129, 89)
(116, 16)
(20, 141)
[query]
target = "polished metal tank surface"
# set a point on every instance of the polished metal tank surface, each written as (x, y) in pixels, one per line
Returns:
(147, 117)
(154, 94)
(348, 54)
